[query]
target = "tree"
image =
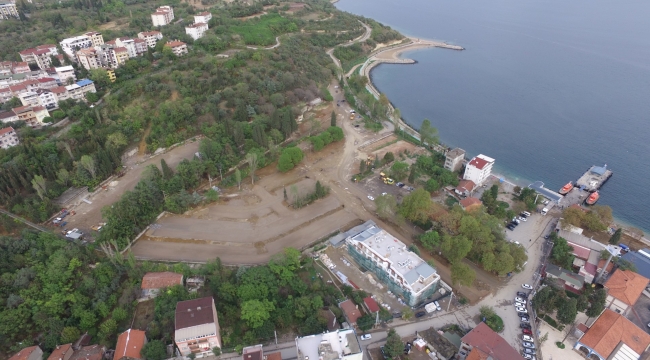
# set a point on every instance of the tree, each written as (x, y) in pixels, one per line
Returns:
(597, 300)
(413, 175)
(238, 178)
(399, 170)
(216, 351)
(100, 78)
(251, 158)
(389, 157)
(256, 312)
(562, 253)
(416, 206)
(366, 322)
(386, 206)
(154, 350)
(88, 163)
(394, 346)
(362, 167)
(428, 134)
(462, 274)
(616, 238)
(430, 240)
(290, 158)
(455, 248)
(38, 182)
(333, 119)
(167, 172)
(567, 311)
(407, 314)
(70, 334)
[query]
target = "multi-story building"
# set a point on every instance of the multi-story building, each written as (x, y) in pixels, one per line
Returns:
(96, 38)
(47, 98)
(40, 55)
(111, 74)
(454, 159)
(8, 10)
(120, 56)
(140, 46)
(178, 47)
(32, 115)
(128, 44)
(12, 67)
(73, 44)
(624, 288)
(612, 336)
(483, 343)
(340, 344)
(8, 138)
(29, 98)
(163, 16)
(196, 31)
(403, 271)
(479, 169)
(8, 116)
(65, 73)
(89, 58)
(150, 37)
(78, 90)
(61, 93)
(197, 327)
(5, 95)
(203, 17)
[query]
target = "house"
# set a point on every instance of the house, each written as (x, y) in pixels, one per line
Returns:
(150, 37)
(95, 37)
(470, 203)
(404, 272)
(254, 352)
(163, 16)
(439, 343)
(197, 30)
(29, 98)
(89, 58)
(197, 327)
(479, 169)
(153, 282)
(489, 342)
(371, 305)
(129, 345)
(32, 115)
(61, 352)
(30, 353)
(47, 98)
(612, 336)
(340, 345)
(40, 55)
(329, 316)
(203, 17)
(465, 187)
(624, 288)
(111, 74)
(8, 10)
(571, 281)
(454, 159)
(8, 116)
(73, 44)
(90, 352)
(65, 73)
(12, 67)
(351, 311)
(120, 56)
(178, 47)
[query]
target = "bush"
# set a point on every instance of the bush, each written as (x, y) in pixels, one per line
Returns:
(560, 344)
(290, 158)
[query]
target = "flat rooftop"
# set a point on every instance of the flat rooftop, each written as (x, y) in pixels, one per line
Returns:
(547, 193)
(594, 178)
(328, 346)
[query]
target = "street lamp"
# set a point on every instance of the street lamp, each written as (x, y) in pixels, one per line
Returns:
(451, 297)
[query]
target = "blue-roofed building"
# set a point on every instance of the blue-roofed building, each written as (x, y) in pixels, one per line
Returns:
(84, 82)
(640, 261)
(402, 271)
(538, 186)
(599, 170)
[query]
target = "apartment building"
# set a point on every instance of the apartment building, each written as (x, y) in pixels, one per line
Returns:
(340, 344)
(8, 138)
(197, 327)
(203, 17)
(29, 98)
(111, 74)
(95, 37)
(479, 169)
(8, 116)
(196, 31)
(403, 271)
(89, 58)
(178, 47)
(454, 159)
(140, 46)
(64, 73)
(40, 55)
(150, 37)
(73, 44)
(163, 16)
(78, 90)
(120, 56)
(8, 10)
(12, 67)
(47, 98)
(32, 115)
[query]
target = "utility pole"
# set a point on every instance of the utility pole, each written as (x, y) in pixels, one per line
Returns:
(450, 298)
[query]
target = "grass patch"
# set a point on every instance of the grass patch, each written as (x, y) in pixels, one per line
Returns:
(263, 31)
(552, 322)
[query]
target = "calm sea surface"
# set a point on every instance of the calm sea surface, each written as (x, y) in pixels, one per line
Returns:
(547, 88)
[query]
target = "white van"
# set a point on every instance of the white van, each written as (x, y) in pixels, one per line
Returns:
(544, 211)
(526, 213)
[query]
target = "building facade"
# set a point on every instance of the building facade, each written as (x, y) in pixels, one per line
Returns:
(40, 55)
(150, 37)
(405, 273)
(479, 169)
(612, 336)
(454, 159)
(8, 10)
(8, 138)
(196, 31)
(197, 327)
(64, 73)
(89, 58)
(340, 345)
(203, 17)
(95, 37)
(71, 45)
(179, 48)
(163, 16)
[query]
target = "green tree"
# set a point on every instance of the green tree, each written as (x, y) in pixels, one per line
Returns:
(562, 253)
(399, 170)
(256, 312)
(154, 350)
(362, 167)
(252, 160)
(88, 163)
(216, 351)
(413, 175)
(428, 134)
(430, 240)
(567, 311)
(100, 78)
(416, 206)
(167, 172)
(616, 238)
(333, 119)
(386, 206)
(455, 248)
(238, 178)
(70, 334)
(389, 157)
(394, 346)
(407, 314)
(432, 185)
(597, 302)
(462, 274)
(366, 322)
(38, 183)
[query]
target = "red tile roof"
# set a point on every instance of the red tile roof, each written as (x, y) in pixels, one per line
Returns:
(17, 87)
(138, 40)
(60, 352)
(120, 49)
(371, 304)
(626, 286)
(24, 353)
(476, 354)
(194, 312)
(489, 342)
(612, 328)
(467, 185)
(274, 356)
(478, 163)
(351, 311)
(470, 202)
(580, 252)
(129, 344)
(175, 43)
(91, 352)
(157, 280)
(59, 89)
(38, 108)
(6, 130)
(44, 80)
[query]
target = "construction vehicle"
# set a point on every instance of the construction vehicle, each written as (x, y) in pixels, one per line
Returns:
(389, 181)
(382, 176)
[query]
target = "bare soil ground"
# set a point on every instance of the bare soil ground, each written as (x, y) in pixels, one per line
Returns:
(113, 25)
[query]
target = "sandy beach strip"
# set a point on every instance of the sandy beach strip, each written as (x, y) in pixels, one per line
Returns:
(393, 53)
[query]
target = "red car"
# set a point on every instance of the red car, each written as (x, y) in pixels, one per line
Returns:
(527, 331)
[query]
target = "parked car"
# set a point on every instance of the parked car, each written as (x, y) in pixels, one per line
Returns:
(527, 287)
(519, 299)
(521, 218)
(529, 351)
(399, 184)
(527, 344)
(366, 337)
(524, 320)
(521, 314)
(420, 314)
(527, 338)
(510, 227)
(527, 331)
(522, 294)
(528, 356)
(437, 306)
(524, 326)
(521, 309)
(371, 198)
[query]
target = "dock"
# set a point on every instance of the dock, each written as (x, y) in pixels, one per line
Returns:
(594, 178)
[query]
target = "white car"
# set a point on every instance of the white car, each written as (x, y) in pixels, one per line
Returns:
(522, 218)
(366, 337)
(518, 299)
(437, 306)
(521, 309)
(371, 198)
(526, 286)
(528, 356)
(527, 338)
(384, 194)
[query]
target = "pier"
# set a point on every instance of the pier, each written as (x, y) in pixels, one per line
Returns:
(592, 180)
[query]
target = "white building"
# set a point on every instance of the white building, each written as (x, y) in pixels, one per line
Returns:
(196, 31)
(95, 37)
(47, 98)
(8, 138)
(335, 345)
(479, 169)
(71, 45)
(454, 159)
(40, 55)
(163, 16)
(64, 73)
(403, 271)
(150, 37)
(203, 17)
(29, 98)
(89, 58)
(8, 10)
(178, 47)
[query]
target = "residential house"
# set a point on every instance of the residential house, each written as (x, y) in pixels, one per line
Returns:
(61, 352)
(332, 324)
(13, 67)
(95, 37)
(197, 327)
(150, 37)
(488, 342)
(465, 187)
(47, 83)
(454, 159)
(163, 16)
(444, 345)
(153, 282)
(32, 115)
(129, 345)
(254, 352)
(90, 352)
(78, 90)
(403, 272)
(350, 311)
(89, 58)
(8, 10)
(40, 55)
(371, 305)
(61, 93)
(624, 288)
(479, 169)
(8, 116)
(470, 203)
(203, 17)
(47, 98)
(111, 74)
(612, 336)
(71, 45)
(570, 280)
(340, 345)
(178, 47)
(29, 98)
(128, 44)
(120, 56)
(140, 46)
(5, 95)
(65, 73)
(30, 353)
(197, 30)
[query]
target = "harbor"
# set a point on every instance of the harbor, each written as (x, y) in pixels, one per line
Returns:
(583, 191)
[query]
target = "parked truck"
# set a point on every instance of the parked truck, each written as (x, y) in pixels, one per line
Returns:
(430, 308)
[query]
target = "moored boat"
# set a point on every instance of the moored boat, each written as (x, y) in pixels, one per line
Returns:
(566, 188)
(592, 198)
